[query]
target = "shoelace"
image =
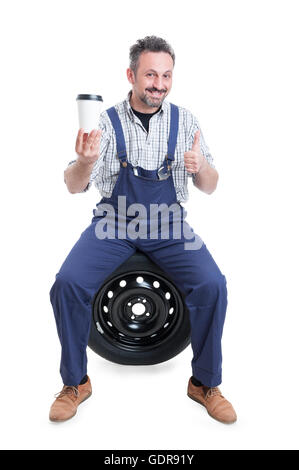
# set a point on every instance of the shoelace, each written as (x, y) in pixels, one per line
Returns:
(67, 390)
(213, 392)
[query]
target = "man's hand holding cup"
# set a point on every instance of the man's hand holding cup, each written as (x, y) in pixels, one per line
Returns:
(88, 146)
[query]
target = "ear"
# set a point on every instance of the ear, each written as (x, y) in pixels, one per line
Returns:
(130, 75)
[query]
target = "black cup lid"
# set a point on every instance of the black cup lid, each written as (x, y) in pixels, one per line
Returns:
(89, 97)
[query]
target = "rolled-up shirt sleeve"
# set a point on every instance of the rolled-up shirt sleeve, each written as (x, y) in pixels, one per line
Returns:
(104, 142)
(203, 146)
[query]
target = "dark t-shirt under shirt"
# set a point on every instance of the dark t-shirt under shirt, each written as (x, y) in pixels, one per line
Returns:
(145, 117)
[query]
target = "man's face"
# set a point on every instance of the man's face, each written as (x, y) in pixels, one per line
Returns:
(153, 79)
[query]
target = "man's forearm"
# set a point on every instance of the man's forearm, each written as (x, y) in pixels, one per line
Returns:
(206, 179)
(76, 176)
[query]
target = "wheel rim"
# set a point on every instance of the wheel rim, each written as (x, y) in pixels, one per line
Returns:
(138, 310)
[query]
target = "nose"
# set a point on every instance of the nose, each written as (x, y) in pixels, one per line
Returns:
(158, 83)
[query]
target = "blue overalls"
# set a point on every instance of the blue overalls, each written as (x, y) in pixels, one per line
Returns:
(186, 261)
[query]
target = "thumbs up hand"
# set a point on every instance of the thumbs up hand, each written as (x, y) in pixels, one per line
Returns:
(194, 159)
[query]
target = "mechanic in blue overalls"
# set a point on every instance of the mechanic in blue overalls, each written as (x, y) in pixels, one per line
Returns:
(144, 151)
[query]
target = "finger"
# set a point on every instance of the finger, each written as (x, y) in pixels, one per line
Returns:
(91, 137)
(79, 140)
(94, 138)
(88, 141)
(196, 142)
(97, 135)
(190, 154)
(189, 167)
(189, 160)
(96, 141)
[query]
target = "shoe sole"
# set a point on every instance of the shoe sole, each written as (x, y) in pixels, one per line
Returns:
(54, 420)
(202, 404)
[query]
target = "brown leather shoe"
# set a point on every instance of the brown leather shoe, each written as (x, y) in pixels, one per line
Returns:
(67, 401)
(217, 406)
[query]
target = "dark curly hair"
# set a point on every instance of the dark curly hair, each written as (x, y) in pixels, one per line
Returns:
(149, 43)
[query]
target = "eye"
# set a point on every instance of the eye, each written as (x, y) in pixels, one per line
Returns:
(149, 74)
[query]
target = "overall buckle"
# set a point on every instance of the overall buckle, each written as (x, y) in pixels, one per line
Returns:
(162, 174)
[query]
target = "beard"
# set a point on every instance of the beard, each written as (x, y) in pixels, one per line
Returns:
(153, 102)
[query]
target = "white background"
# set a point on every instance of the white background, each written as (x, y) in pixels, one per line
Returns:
(237, 71)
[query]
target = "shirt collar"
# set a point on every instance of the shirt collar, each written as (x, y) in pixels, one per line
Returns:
(129, 107)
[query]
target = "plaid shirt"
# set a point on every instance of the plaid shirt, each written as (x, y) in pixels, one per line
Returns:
(144, 149)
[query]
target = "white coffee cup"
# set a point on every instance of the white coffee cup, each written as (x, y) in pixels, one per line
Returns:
(89, 109)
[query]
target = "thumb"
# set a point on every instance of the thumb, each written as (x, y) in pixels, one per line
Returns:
(196, 142)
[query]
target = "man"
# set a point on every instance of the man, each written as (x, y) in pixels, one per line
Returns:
(125, 158)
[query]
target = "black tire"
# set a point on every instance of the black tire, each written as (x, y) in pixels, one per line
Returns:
(139, 323)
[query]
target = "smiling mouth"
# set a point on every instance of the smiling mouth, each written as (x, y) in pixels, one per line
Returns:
(156, 94)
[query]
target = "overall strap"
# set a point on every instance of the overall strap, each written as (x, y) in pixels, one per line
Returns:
(120, 139)
(174, 127)
(164, 171)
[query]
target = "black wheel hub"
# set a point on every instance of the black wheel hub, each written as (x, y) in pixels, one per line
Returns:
(139, 314)
(138, 309)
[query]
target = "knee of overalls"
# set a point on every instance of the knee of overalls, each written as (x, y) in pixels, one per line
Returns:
(207, 291)
(67, 284)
